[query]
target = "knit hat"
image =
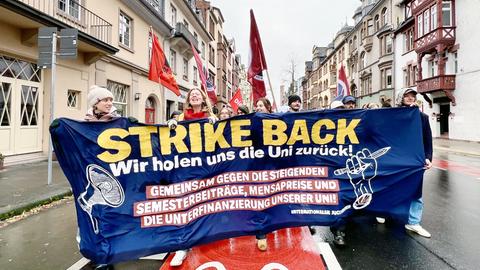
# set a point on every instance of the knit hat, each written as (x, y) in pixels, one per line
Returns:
(96, 94)
(293, 98)
(336, 104)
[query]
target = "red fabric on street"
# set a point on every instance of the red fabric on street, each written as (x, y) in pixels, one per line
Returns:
(159, 70)
(293, 248)
(236, 100)
(189, 114)
(257, 61)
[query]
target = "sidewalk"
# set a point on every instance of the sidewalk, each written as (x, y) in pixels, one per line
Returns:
(23, 186)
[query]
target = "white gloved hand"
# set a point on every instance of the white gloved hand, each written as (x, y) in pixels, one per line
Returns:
(212, 119)
(172, 124)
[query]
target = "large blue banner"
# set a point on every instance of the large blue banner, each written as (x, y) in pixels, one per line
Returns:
(145, 189)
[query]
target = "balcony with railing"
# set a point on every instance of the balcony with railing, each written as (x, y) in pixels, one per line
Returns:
(436, 83)
(441, 35)
(74, 15)
(181, 40)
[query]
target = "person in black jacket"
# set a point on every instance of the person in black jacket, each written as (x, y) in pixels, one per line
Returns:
(408, 98)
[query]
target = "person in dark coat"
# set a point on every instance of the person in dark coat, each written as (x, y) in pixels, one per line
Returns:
(408, 98)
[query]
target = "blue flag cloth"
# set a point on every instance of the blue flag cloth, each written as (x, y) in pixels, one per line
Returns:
(144, 189)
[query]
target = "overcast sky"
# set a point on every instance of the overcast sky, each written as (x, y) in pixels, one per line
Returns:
(288, 29)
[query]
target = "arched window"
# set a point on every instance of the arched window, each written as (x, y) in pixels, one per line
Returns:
(362, 60)
(150, 111)
(325, 102)
(384, 16)
(377, 23)
(354, 41)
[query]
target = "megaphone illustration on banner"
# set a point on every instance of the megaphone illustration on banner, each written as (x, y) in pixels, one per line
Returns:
(104, 190)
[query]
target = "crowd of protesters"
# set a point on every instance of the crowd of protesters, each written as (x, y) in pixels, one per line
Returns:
(198, 106)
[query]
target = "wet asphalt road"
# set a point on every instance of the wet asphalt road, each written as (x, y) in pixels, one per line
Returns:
(451, 214)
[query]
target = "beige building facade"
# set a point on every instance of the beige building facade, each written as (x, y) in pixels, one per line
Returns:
(114, 49)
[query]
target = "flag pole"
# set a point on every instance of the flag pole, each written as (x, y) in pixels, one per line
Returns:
(271, 89)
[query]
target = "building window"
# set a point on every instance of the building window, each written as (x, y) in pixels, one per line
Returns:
(414, 75)
(408, 38)
(70, 7)
(125, 30)
(433, 16)
(366, 86)
(195, 35)
(173, 61)
(408, 10)
(447, 13)
(5, 103)
(120, 96)
(388, 44)
(186, 24)
(426, 21)
(195, 75)
(455, 62)
(432, 68)
(185, 69)
(29, 105)
(420, 25)
(173, 15)
(73, 98)
(406, 78)
(384, 16)
(386, 78)
(203, 50)
(363, 64)
(370, 27)
(157, 5)
(211, 56)
(377, 23)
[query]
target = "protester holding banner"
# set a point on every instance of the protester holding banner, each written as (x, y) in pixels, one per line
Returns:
(101, 109)
(225, 113)
(196, 107)
(242, 109)
(350, 102)
(263, 105)
(294, 103)
(408, 98)
(100, 105)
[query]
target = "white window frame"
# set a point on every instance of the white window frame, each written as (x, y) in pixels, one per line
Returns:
(185, 69)
(125, 26)
(69, 8)
(420, 26)
(426, 21)
(449, 10)
(433, 16)
(173, 15)
(73, 99)
(173, 61)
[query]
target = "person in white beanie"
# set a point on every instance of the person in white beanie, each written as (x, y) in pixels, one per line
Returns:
(100, 104)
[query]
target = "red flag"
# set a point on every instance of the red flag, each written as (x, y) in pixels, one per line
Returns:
(236, 100)
(159, 70)
(342, 84)
(257, 61)
(206, 84)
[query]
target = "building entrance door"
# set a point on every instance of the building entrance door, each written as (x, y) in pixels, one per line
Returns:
(444, 114)
(21, 109)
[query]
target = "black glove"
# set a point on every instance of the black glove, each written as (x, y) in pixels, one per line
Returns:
(132, 120)
(55, 123)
